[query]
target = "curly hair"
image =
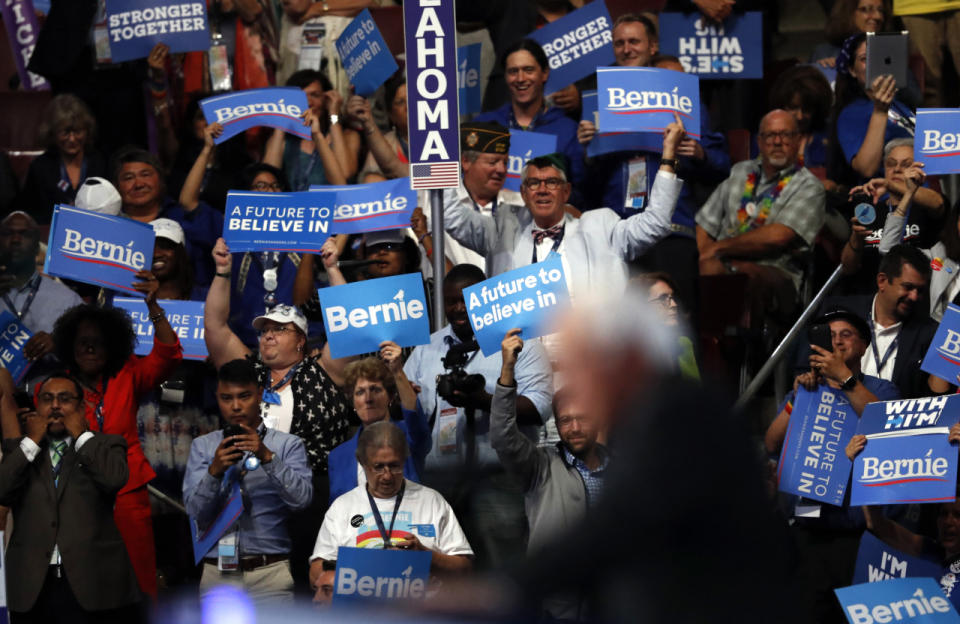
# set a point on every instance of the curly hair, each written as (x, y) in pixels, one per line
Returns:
(115, 327)
(804, 85)
(371, 369)
(65, 111)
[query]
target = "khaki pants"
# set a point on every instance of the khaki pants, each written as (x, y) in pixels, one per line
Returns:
(270, 584)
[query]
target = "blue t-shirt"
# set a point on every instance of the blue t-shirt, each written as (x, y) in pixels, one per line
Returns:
(855, 118)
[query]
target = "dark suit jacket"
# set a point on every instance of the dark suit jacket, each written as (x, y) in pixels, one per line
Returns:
(77, 516)
(916, 334)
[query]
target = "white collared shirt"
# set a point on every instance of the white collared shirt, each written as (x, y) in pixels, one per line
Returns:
(882, 338)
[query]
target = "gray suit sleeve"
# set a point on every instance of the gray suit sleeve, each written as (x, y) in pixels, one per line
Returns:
(517, 453)
(467, 226)
(632, 237)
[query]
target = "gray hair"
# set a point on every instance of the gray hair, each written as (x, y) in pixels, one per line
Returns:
(470, 156)
(895, 143)
(525, 172)
(64, 111)
(383, 434)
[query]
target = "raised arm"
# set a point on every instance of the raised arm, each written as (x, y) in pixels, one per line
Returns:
(331, 166)
(869, 156)
(347, 158)
(222, 344)
(9, 423)
(273, 152)
(466, 225)
(383, 153)
(392, 355)
(190, 193)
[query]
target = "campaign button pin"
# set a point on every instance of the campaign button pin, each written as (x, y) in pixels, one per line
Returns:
(751, 209)
(865, 213)
(936, 264)
(356, 521)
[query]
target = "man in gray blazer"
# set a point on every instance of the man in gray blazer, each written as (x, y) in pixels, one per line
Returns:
(66, 560)
(594, 248)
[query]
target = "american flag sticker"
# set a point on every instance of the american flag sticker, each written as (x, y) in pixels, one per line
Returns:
(435, 175)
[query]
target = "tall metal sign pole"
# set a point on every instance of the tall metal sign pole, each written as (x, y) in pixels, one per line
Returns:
(433, 115)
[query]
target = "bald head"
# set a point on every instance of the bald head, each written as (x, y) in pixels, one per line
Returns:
(779, 141)
(19, 240)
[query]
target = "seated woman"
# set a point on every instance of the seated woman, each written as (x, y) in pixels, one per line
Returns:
(660, 290)
(389, 511)
(376, 385)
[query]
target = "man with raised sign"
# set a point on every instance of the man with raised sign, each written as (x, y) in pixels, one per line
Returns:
(762, 220)
(254, 553)
(595, 248)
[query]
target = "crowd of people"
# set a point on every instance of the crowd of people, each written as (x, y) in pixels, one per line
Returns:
(519, 467)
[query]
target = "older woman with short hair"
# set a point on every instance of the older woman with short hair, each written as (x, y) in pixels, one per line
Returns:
(380, 391)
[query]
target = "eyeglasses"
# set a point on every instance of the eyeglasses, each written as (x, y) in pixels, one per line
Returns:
(784, 135)
(267, 186)
(552, 184)
(385, 468)
(664, 300)
(278, 330)
(47, 398)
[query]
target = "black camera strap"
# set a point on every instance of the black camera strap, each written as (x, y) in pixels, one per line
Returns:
(384, 534)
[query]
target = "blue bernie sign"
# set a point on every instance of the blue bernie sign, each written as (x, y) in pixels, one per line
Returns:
(876, 561)
(813, 462)
(943, 356)
(907, 458)
(365, 55)
(367, 575)
(13, 338)
(576, 44)
(361, 208)
(912, 600)
(733, 49)
(524, 146)
(276, 107)
(644, 99)
(98, 249)
(185, 317)
(468, 78)
(361, 315)
(527, 298)
(298, 222)
(205, 539)
(135, 26)
(937, 142)
(610, 142)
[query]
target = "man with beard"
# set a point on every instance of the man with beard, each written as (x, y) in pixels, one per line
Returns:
(762, 220)
(33, 298)
(61, 480)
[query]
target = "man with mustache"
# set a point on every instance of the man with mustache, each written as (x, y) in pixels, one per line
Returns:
(61, 480)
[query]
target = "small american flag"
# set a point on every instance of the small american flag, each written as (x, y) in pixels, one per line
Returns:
(435, 175)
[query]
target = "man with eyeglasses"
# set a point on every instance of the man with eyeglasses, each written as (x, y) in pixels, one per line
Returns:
(391, 512)
(594, 248)
(763, 219)
(67, 562)
(271, 467)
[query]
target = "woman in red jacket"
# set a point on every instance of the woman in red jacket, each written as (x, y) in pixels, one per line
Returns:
(97, 345)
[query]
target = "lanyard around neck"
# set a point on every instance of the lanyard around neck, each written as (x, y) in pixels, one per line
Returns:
(384, 534)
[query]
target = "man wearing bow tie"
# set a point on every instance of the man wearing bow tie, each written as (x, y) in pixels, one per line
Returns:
(595, 248)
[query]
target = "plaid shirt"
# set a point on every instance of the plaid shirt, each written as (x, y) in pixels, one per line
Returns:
(593, 480)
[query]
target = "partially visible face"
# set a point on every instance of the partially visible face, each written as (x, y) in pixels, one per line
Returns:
(868, 16)
(525, 78)
(324, 594)
(662, 296)
(265, 182)
(900, 295)
(779, 140)
(802, 116)
(577, 428)
(89, 350)
(545, 205)
(398, 110)
(164, 265)
(484, 177)
(632, 46)
(858, 69)
(138, 184)
(384, 472)
(279, 343)
(57, 399)
(239, 403)
(314, 92)
(18, 240)
(455, 308)
(948, 527)
(71, 139)
(847, 341)
(899, 159)
(371, 401)
(390, 257)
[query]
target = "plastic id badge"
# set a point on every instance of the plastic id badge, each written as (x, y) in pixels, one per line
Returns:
(636, 196)
(311, 44)
(220, 74)
(228, 557)
(447, 430)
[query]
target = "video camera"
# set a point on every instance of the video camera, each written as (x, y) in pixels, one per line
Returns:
(457, 379)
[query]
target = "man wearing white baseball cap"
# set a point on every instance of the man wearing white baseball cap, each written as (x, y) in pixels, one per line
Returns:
(98, 195)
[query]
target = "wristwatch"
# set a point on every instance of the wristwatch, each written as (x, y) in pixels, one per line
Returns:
(849, 384)
(334, 119)
(326, 6)
(671, 162)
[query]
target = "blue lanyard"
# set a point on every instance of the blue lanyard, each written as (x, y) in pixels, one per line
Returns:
(876, 352)
(384, 534)
(270, 394)
(493, 210)
(34, 285)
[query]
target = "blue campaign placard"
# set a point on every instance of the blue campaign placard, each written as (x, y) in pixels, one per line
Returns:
(135, 26)
(943, 356)
(528, 298)
(907, 458)
(367, 575)
(185, 317)
(468, 78)
(365, 55)
(276, 107)
(644, 99)
(204, 540)
(576, 44)
(433, 118)
(813, 462)
(726, 51)
(360, 208)
(896, 600)
(361, 315)
(298, 222)
(13, 338)
(524, 146)
(937, 142)
(610, 142)
(98, 249)
(876, 561)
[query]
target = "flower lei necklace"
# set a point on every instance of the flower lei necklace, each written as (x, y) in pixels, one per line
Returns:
(749, 214)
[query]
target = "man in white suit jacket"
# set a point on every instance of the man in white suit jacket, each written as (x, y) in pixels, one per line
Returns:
(595, 248)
